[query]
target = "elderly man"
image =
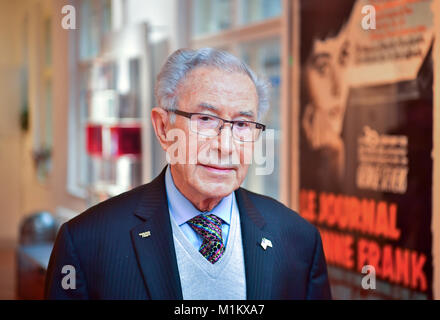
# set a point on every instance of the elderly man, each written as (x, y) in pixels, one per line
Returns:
(193, 233)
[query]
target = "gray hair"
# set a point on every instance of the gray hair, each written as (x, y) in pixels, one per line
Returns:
(182, 61)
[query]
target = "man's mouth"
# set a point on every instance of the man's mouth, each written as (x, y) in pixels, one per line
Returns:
(217, 168)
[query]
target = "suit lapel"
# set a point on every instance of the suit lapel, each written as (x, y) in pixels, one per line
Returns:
(155, 251)
(258, 262)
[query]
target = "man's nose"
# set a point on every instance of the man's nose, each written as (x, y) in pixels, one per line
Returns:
(225, 139)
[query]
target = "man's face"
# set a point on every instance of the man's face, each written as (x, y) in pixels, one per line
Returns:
(219, 165)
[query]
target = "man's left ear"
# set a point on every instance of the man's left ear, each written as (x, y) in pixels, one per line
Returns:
(159, 119)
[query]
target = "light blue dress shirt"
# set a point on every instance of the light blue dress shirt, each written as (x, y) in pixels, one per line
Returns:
(182, 210)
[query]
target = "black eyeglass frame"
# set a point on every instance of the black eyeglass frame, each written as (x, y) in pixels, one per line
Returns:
(232, 122)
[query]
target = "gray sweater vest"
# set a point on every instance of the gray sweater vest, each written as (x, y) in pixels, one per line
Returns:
(201, 280)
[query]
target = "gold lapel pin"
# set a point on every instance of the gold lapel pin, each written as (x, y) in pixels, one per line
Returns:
(145, 234)
(266, 243)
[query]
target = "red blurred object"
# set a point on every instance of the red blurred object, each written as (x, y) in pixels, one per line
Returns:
(125, 141)
(94, 140)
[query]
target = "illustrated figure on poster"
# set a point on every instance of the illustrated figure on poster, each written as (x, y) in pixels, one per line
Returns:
(327, 91)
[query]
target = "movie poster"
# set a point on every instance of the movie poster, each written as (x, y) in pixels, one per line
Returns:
(365, 143)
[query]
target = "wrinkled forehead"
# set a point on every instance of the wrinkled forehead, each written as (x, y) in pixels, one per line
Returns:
(208, 71)
(218, 87)
(211, 78)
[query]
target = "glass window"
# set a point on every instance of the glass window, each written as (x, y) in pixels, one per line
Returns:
(82, 161)
(264, 58)
(257, 10)
(211, 16)
(94, 24)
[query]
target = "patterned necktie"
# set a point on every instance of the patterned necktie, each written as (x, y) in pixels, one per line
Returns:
(209, 228)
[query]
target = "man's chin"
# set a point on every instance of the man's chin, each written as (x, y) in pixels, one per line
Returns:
(215, 189)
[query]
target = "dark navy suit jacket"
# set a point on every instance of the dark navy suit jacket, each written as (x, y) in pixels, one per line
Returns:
(112, 261)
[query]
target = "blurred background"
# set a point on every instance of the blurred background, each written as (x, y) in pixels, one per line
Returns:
(76, 88)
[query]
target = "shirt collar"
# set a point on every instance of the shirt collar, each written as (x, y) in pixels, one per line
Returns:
(183, 210)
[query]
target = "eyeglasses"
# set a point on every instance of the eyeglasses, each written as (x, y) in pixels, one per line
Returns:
(210, 126)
